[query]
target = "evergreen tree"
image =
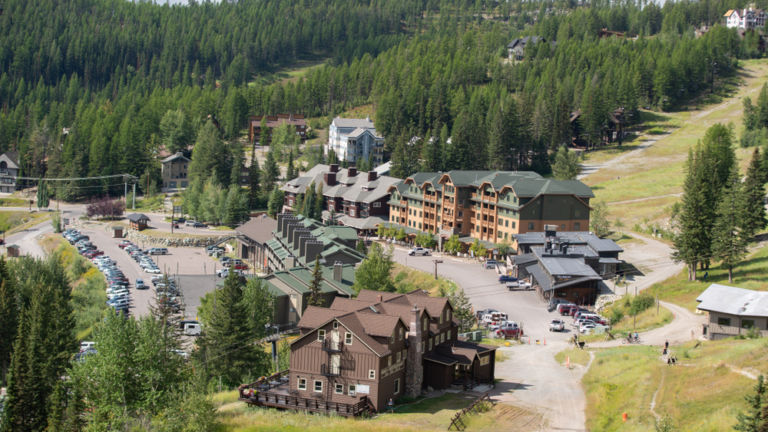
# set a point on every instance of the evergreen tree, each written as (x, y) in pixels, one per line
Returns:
(308, 206)
(361, 247)
(289, 172)
(271, 171)
(728, 243)
(462, 309)
(692, 236)
(174, 131)
(598, 220)
(226, 348)
(754, 419)
(566, 166)
(319, 201)
(752, 209)
(9, 319)
(275, 204)
(254, 192)
(315, 288)
(259, 304)
(374, 273)
(43, 199)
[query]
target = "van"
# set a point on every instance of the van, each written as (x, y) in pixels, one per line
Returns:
(490, 264)
(191, 327)
(562, 306)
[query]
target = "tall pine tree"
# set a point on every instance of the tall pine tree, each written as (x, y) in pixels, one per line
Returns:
(728, 243)
(752, 206)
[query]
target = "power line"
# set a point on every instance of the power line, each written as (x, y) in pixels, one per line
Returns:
(127, 177)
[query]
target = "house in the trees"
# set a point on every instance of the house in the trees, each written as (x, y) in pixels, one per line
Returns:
(516, 48)
(174, 172)
(9, 170)
(354, 140)
(356, 355)
(745, 19)
(255, 122)
(613, 130)
(733, 311)
(490, 206)
(350, 198)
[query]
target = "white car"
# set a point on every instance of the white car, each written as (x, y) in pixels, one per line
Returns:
(586, 327)
(556, 325)
(118, 294)
(419, 251)
(154, 270)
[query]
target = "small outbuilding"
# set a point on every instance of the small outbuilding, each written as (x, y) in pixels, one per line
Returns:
(13, 250)
(138, 221)
(733, 311)
(117, 231)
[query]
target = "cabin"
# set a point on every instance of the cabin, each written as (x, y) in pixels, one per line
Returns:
(733, 311)
(138, 221)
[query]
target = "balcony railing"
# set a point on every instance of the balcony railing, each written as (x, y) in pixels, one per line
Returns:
(330, 370)
(331, 346)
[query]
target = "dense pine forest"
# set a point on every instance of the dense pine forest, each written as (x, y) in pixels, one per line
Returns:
(121, 77)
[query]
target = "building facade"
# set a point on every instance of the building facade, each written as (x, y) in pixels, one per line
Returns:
(255, 132)
(491, 206)
(745, 19)
(355, 140)
(9, 170)
(375, 348)
(174, 172)
(733, 311)
(350, 198)
(252, 238)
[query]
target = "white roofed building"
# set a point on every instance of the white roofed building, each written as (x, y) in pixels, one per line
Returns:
(733, 311)
(355, 140)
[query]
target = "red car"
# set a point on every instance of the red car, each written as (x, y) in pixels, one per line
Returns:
(93, 253)
(509, 329)
(239, 265)
(124, 244)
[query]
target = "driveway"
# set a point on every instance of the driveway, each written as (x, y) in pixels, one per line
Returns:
(531, 377)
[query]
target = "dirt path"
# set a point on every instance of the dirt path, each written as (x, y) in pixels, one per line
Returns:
(612, 163)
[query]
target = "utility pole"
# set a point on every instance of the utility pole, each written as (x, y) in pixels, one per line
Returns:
(134, 196)
(125, 184)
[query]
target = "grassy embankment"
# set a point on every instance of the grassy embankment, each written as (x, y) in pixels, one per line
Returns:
(752, 273)
(702, 393)
(88, 284)
(641, 189)
(13, 202)
(152, 203)
(425, 415)
(626, 319)
(15, 221)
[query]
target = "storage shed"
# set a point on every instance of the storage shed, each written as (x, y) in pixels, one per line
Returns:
(138, 221)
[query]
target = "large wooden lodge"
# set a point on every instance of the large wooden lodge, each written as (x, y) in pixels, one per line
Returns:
(359, 354)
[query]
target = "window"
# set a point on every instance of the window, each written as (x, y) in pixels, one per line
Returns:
(577, 226)
(335, 324)
(397, 385)
(724, 321)
(320, 335)
(530, 225)
(347, 338)
(562, 227)
(376, 204)
(352, 389)
(402, 333)
(506, 223)
(339, 389)
(318, 386)
(747, 323)
(372, 374)
(514, 224)
(302, 384)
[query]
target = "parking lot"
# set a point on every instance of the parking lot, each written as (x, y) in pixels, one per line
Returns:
(181, 261)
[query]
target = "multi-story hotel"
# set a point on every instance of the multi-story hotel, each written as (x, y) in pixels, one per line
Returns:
(491, 206)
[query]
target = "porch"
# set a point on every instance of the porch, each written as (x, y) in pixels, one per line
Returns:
(274, 391)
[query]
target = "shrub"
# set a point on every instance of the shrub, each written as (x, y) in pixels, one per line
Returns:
(754, 137)
(641, 303)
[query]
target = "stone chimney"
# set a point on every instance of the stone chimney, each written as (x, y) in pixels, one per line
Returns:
(334, 168)
(337, 271)
(414, 368)
(351, 171)
(372, 175)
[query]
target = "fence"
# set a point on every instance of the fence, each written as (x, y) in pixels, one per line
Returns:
(477, 405)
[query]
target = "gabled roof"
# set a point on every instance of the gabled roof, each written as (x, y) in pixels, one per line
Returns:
(522, 42)
(341, 122)
(734, 301)
(12, 159)
(258, 229)
(137, 217)
(730, 12)
(177, 156)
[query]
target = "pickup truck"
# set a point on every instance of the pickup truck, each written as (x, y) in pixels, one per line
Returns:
(509, 329)
(557, 325)
(507, 278)
(519, 286)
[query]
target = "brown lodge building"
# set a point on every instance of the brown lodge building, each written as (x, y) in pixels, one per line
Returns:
(374, 348)
(492, 206)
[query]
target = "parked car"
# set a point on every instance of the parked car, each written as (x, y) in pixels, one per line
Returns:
(119, 301)
(567, 309)
(141, 285)
(507, 278)
(495, 318)
(490, 264)
(419, 251)
(239, 265)
(556, 325)
(190, 223)
(124, 244)
(510, 329)
(158, 251)
(200, 225)
(191, 328)
(479, 314)
(519, 286)
(587, 327)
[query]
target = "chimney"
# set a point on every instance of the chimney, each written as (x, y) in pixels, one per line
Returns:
(372, 175)
(379, 298)
(337, 269)
(414, 369)
(550, 231)
(330, 178)
(334, 168)
(351, 171)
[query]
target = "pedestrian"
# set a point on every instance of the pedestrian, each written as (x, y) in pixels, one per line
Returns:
(666, 345)
(391, 405)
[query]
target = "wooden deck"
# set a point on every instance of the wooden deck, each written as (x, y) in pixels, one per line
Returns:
(274, 392)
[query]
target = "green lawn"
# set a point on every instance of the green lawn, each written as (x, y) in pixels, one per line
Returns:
(656, 174)
(574, 355)
(15, 221)
(151, 203)
(433, 414)
(700, 394)
(13, 202)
